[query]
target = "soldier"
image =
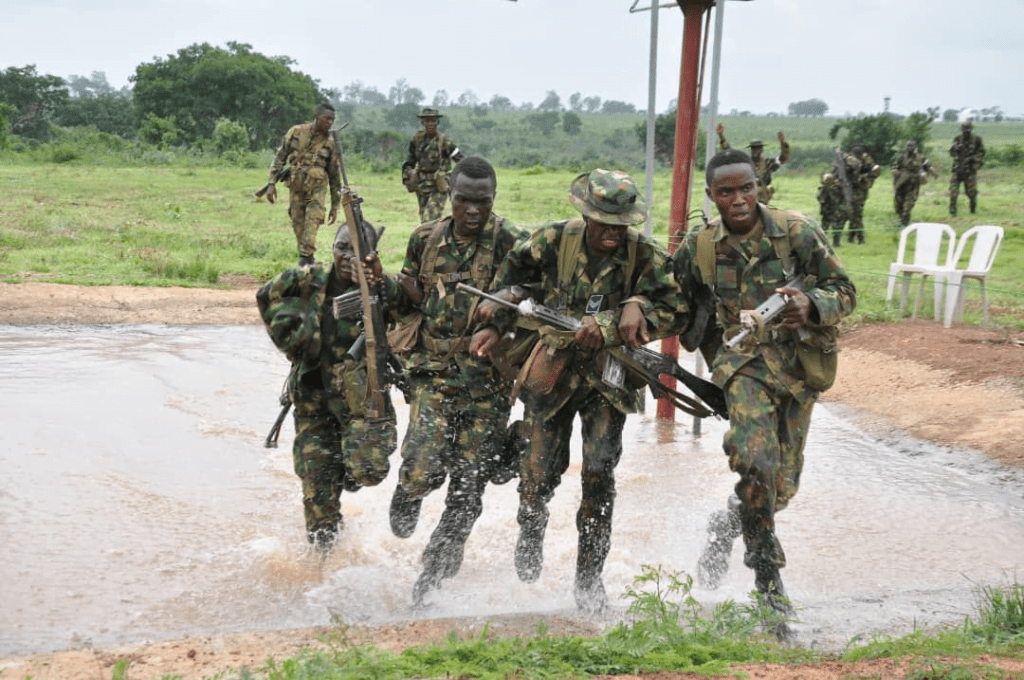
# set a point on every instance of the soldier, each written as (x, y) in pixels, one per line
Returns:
(334, 448)
(765, 166)
(616, 281)
(425, 171)
(460, 402)
(909, 172)
(834, 211)
(861, 171)
(968, 152)
(773, 378)
(308, 151)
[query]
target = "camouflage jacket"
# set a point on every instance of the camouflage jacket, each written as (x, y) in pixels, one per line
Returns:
(908, 168)
(534, 263)
(441, 351)
(747, 273)
(862, 172)
(297, 309)
(968, 153)
(311, 157)
(430, 154)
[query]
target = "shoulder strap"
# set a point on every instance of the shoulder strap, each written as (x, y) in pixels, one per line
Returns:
(706, 255)
(430, 253)
(782, 245)
(569, 249)
(481, 270)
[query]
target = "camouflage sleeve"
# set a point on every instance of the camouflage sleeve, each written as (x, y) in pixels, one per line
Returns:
(833, 294)
(525, 264)
(452, 151)
(414, 250)
(287, 311)
(410, 160)
(657, 291)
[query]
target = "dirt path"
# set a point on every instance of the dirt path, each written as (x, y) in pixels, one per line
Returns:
(961, 386)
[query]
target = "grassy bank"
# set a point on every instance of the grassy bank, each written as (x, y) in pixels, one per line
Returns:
(202, 227)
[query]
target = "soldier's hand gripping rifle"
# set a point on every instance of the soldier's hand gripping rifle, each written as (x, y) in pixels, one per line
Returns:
(642, 362)
(364, 244)
(754, 320)
(281, 175)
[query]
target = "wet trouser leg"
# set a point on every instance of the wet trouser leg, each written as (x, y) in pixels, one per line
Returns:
(765, 441)
(318, 462)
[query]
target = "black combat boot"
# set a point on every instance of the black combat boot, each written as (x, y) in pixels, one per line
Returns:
(404, 513)
(530, 546)
(952, 208)
(595, 540)
(974, 205)
(836, 240)
(723, 528)
(768, 582)
(322, 540)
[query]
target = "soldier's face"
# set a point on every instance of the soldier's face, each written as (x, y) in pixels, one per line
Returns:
(602, 238)
(734, 192)
(755, 152)
(430, 125)
(472, 202)
(324, 121)
(343, 259)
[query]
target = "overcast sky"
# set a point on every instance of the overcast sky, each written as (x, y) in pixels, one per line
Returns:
(850, 53)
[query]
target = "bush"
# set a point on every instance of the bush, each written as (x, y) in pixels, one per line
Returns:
(230, 137)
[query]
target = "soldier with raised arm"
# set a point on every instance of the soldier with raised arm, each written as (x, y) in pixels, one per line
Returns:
(765, 166)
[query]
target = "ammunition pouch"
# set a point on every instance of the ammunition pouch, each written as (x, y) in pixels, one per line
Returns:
(542, 369)
(367, 446)
(819, 357)
(441, 181)
(403, 338)
(409, 179)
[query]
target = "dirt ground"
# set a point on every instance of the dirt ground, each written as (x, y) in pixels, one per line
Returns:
(962, 386)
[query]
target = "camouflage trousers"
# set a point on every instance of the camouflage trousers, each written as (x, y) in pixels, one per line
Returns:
(458, 437)
(547, 459)
(904, 199)
(970, 182)
(333, 452)
(857, 217)
(307, 211)
(765, 446)
(431, 204)
(833, 213)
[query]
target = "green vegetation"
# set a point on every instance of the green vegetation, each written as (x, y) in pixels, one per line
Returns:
(94, 209)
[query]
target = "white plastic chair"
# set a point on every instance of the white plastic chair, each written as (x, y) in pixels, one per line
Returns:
(987, 239)
(928, 246)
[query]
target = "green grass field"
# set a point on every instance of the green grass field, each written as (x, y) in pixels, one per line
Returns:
(202, 227)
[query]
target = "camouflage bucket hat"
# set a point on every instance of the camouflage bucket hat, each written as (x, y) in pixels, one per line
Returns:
(430, 112)
(608, 196)
(756, 142)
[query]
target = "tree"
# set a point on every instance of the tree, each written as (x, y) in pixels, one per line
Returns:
(808, 107)
(613, 106)
(501, 103)
(95, 102)
(6, 112)
(467, 99)
(403, 116)
(440, 100)
(571, 123)
(880, 134)
(201, 84)
(592, 104)
(551, 102)
(950, 115)
(543, 123)
(402, 93)
(35, 98)
(917, 127)
(664, 136)
(576, 102)
(230, 138)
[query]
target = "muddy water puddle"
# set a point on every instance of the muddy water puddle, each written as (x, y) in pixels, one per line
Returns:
(139, 503)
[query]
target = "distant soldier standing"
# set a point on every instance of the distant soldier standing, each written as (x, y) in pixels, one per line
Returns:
(909, 172)
(308, 150)
(834, 211)
(765, 166)
(968, 152)
(426, 170)
(861, 171)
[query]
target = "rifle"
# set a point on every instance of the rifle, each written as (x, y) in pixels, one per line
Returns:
(275, 430)
(644, 363)
(753, 320)
(364, 244)
(840, 163)
(282, 174)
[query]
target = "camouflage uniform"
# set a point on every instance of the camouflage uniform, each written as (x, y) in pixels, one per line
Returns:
(909, 172)
(431, 158)
(764, 167)
(834, 212)
(580, 390)
(333, 449)
(314, 165)
(862, 172)
(460, 403)
(968, 152)
(763, 378)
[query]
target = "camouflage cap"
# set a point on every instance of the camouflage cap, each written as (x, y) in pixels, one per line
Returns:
(608, 196)
(756, 142)
(430, 112)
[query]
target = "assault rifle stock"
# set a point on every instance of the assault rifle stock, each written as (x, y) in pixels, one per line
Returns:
(364, 244)
(282, 175)
(643, 362)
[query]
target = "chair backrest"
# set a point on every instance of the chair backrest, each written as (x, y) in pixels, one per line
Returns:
(928, 238)
(987, 238)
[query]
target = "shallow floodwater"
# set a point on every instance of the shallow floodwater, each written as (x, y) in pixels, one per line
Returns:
(137, 502)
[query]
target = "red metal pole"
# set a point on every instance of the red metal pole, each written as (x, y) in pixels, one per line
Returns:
(687, 118)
